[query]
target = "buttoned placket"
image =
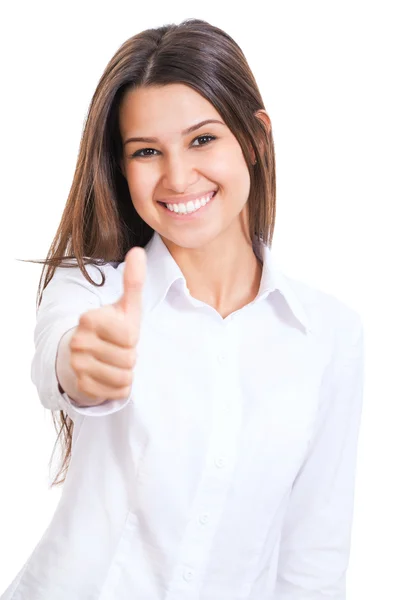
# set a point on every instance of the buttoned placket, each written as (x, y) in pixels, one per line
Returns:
(220, 464)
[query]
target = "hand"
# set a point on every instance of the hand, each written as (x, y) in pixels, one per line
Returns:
(103, 346)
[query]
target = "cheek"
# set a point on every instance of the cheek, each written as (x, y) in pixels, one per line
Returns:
(226, 165)
(141, 188)
(139, 182)
(238, 182)
(231, 170)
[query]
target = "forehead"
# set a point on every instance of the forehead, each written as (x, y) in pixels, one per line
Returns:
(163, 109)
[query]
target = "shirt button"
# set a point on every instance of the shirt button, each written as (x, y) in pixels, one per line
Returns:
(220, 462)
(188, 575)
(221, 358)
(204, 519)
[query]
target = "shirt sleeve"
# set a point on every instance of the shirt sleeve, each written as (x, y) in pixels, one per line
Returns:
(64, 299)
(315, 541)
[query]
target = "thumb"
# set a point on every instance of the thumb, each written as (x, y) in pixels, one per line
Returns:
(134, 277)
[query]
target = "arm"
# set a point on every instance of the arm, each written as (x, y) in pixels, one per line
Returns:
(65, 298)
(315, 543)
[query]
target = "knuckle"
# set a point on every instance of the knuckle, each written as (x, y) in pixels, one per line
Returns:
(127, 339)
(125, 378)
(75, 362)
(127, 390)
(130, 337)
(87, 387)
(122, 392)
(88, 318)
(77, 341)
(131, 357)
(82, 385)
(84, 319)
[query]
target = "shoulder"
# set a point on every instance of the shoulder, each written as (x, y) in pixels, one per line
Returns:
(329, 316)
(103, 280)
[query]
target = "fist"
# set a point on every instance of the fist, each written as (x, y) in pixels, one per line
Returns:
(103, 345)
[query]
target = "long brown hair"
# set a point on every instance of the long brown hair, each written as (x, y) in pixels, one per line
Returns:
(99, 223)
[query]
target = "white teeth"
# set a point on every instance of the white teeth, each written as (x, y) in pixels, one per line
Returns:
(190, 206)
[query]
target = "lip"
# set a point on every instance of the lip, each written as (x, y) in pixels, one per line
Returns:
(185, 199)
(193, 215)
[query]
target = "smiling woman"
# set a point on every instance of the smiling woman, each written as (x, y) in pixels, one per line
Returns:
(208, 404)
(177, 171)
(114, 201)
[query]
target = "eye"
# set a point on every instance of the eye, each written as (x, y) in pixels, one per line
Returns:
(211, 137)
(139, 154)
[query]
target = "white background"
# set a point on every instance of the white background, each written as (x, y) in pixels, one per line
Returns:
(328, 73)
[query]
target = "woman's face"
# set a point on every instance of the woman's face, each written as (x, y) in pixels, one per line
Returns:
(176, 164)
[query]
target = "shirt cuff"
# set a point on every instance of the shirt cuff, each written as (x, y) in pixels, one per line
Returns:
(105, 408)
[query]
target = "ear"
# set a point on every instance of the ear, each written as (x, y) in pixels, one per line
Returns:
(262, 116)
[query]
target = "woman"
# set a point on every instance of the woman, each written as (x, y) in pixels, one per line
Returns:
(208, 404)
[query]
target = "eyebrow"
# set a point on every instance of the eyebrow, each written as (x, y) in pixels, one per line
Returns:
(152, 140)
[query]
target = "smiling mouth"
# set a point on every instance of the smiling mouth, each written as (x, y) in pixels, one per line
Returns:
(182, 210)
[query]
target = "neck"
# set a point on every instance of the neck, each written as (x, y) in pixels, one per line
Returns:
(225, 274)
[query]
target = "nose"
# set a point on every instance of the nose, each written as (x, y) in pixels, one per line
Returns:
(178, 173)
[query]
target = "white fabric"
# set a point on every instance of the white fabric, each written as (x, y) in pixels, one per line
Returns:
(228, 474)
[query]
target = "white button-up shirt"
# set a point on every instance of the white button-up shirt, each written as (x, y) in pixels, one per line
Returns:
(228, 474)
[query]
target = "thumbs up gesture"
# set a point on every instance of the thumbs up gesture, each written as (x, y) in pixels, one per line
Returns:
(103, 345)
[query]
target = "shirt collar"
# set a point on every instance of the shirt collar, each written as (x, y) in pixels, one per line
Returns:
(163, 273)
(272, 279)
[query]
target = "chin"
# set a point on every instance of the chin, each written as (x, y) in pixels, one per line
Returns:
(191, 240)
